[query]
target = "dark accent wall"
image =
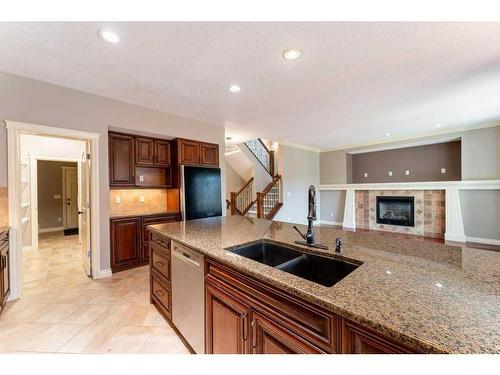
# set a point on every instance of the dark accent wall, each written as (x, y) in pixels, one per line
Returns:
(423, 162)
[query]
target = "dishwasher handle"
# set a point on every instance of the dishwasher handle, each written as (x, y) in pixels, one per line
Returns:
(187, 256)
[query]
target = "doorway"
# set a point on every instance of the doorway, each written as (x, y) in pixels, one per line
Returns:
(52, 187)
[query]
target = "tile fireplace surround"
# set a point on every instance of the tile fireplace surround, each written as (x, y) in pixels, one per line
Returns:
(438, 211)
(429, 212)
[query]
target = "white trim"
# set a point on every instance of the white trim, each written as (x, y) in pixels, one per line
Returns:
(353, 146)
(34, 202)
(454, 224)
(440, 185)
(350, 210)
(102, 274)
(489, 241)
(27, 248)
(327, 222)
(53, 229)
(404, 145)
(299, 145)
(14, 129)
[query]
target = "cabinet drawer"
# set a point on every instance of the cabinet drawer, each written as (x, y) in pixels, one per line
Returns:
(161, 294)
(314, 324)
(160, 241)
(161, 263)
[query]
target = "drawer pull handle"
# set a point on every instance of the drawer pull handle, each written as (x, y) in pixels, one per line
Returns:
(3, 263)
(159, 293)
(254, 333)
(161, 264)
(186, 255)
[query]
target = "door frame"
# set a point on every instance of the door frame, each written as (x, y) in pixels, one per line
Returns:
(33, 162)
(64, 169)
(14, 131)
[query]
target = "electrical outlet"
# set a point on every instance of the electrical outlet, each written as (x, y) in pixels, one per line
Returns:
(59, 219)
(118, 199)
(407, 172)
(57, 196)
(141, 178)
(331, 214)
(443, 170)
(141, 199)
(366, 174)
(390, 173)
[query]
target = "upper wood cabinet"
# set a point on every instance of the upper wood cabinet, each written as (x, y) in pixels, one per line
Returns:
(144, 151)
(196, 153)
(121, 160)
(162, 153)
(209, 154)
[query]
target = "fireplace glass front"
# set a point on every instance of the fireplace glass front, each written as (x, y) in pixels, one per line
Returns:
(395, 211)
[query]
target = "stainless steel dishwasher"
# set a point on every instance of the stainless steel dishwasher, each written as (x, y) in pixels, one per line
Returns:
(188, 295)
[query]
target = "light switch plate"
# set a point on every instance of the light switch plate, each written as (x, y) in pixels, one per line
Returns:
(443, 170)
(59, 219)
(407, 173)
(141, 178)
(366, 174)
(118, 200)
(141, 199)
(57, 196)
(390, 173)
(289, 194)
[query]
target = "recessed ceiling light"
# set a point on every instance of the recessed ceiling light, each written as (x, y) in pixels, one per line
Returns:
(437, 125)
(291, 54)
(387, 134)
(234, 88)
(109, 36)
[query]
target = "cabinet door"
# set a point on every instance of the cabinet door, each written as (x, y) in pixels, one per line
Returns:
(162, 153)
(209, 154)
(226, 326)
(357, 339)
(121, 160)
(5, 275)
(189, 152)
(144, 151)
(270, 338)
(125, 243)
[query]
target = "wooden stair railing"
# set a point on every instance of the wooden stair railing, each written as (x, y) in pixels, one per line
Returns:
(269, 200)
(262, 154)
(242, 200)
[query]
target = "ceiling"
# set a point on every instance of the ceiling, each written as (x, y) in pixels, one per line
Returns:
(353, 83)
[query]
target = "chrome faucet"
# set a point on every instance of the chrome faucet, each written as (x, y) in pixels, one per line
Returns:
(309, 237)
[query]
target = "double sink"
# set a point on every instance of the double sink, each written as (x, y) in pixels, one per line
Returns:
(316, 268)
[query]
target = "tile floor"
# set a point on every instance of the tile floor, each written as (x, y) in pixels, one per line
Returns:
(64, 311)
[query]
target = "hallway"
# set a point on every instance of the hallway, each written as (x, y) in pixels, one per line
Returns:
(64, 311)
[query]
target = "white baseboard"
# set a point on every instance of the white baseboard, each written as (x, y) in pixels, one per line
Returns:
(327, 222)
(488, 241)
(454, 237)
(47, 230)
(103, 273)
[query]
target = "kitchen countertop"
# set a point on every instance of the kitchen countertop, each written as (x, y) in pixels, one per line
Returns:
(144, 215)
(431, 296)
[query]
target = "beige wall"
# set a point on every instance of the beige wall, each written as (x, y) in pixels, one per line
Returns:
(50, 209)
(234, 182)
(27, 100)
(4, 207)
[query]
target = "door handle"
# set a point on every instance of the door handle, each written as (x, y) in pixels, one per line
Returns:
(244, 326)
(80, 212)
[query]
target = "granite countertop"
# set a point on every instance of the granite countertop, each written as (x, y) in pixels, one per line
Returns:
(431, 296)
(144, 214)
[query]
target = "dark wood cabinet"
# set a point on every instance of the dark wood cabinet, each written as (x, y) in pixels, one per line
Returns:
(121, 160)
(144, 151)
(125, 236)
(160, 274)
(4, 269)
(162, 153)
(188, 152)
(268, 337)
(209, 154)
(357, 339)
(224, 310)
(130, 239)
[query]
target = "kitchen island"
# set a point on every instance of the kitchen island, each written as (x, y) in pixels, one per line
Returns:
(406, 295)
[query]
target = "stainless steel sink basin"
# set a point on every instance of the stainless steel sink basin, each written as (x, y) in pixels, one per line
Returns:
(316, 268)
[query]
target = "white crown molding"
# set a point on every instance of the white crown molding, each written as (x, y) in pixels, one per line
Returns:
(351, 148)
(300, 146)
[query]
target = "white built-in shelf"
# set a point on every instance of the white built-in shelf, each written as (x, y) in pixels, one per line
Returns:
(24, 220)
(25, 205)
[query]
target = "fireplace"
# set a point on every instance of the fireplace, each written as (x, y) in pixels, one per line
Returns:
(395, 211)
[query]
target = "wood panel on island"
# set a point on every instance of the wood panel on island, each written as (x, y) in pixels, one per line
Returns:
(4, 269)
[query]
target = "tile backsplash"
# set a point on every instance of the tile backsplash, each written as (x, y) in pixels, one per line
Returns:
(137, 201)
(4, 207)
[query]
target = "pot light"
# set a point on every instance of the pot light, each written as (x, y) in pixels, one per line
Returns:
(291, 54)
(234, 88)
(387, 134)
(438, 125)
(109, 36)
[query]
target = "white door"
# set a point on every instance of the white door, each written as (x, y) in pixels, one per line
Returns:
(70, 197)
(84, 209)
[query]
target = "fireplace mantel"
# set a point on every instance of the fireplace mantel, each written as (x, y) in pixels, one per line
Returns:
(453, 212)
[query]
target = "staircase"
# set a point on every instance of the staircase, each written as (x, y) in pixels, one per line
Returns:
(264, 204)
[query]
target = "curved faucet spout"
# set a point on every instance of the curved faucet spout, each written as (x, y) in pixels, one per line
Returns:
(312, 203)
